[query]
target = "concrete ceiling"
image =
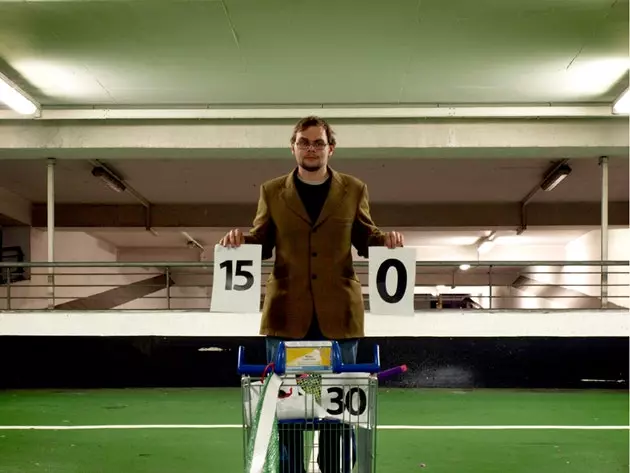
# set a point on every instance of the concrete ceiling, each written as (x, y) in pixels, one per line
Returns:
(547, 71)
(434, 181)
(248, 53)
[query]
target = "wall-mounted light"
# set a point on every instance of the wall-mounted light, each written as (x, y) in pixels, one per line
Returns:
(14, 97)
(621, 106)
(192, 243)
(555, 177)
(113, 182)
(486, 243)
(464, 267)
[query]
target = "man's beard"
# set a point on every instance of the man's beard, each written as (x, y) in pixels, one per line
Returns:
(311, 167)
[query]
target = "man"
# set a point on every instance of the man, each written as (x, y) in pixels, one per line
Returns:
(312, 217)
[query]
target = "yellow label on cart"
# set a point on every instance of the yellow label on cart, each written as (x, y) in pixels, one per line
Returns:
(308, 356)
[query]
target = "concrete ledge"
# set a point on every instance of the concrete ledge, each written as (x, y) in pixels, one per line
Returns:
(468, 323)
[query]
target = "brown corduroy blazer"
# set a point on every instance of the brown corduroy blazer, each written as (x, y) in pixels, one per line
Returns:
(313, 268)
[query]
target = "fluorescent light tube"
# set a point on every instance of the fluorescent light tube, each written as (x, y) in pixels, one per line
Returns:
(14, 98)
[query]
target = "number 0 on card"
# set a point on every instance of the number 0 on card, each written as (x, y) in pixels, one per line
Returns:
(392, 280)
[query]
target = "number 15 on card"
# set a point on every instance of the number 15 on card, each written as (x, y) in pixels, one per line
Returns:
(237, 279)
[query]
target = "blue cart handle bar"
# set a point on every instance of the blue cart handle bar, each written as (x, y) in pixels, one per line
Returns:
(337, 365)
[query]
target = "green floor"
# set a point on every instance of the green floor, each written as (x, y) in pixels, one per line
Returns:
(220, 449)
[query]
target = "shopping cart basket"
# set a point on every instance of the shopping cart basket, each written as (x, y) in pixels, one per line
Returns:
(309, 414)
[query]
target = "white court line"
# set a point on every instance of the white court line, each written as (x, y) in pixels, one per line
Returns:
(504, 427)
(380, 427)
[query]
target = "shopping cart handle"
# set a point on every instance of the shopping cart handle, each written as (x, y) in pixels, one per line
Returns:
(337, 364)
(340, 367)
(244, 368)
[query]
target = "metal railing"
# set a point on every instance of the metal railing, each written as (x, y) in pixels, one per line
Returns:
(472, 285)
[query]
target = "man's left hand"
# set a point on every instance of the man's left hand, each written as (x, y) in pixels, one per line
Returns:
(394, 239)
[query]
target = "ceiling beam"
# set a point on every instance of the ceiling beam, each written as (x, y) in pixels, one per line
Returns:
(14, 208)
(6, 221)
(357, 111)
(165, 139)
(471, 215)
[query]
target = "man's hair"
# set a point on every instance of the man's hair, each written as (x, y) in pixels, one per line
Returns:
(310, 121)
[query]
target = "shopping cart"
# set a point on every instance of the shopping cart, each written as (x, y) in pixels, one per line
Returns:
(307, 412)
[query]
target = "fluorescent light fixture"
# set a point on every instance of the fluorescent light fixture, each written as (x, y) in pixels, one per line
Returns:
(13, 97)
(622, 104)
(556, 177)
(595, 76)
(487, 243)
(112, 182)
(464, 267)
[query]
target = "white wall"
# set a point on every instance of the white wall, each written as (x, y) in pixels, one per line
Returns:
(589, 248)
(500, 252)
(583, 279)
(70, 246)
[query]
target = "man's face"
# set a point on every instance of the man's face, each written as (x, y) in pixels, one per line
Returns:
(311, 149)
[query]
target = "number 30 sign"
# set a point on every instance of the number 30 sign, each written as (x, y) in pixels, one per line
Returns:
(346, 397)
(236, 281)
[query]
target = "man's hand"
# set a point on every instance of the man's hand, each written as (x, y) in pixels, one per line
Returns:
(233, 239)
(394, 239)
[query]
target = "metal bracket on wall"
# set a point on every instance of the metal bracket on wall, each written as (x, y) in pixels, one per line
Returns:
(523, 217)
(147, 218)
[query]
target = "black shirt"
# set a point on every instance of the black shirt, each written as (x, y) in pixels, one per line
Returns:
(313, 197)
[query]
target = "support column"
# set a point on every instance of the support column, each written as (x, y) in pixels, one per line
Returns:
(603, 162)
(50, 203)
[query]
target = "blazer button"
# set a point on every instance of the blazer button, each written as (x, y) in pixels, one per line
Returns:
(314, 276)
(314, 253)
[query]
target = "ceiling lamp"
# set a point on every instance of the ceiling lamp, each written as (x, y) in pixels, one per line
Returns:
(12, 96)
(486, 243)
(555, 177)
(113, 182)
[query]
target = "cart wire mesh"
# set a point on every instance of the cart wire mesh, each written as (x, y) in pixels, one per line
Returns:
(323, 423)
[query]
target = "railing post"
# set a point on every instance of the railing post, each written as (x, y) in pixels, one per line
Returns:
(50, 206)
(51, 288)
(8, 279)
(603, 162)
(490, 285)
(168, 288)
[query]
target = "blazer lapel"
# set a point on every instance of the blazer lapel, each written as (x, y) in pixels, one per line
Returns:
(292, 199)
(335, 196)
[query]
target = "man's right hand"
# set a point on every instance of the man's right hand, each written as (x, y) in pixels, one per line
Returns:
(233, 239)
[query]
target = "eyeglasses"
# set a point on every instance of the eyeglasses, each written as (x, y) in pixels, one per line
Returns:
(317, 144)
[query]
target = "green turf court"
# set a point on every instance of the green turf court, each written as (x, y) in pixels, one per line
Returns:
(197, 430)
